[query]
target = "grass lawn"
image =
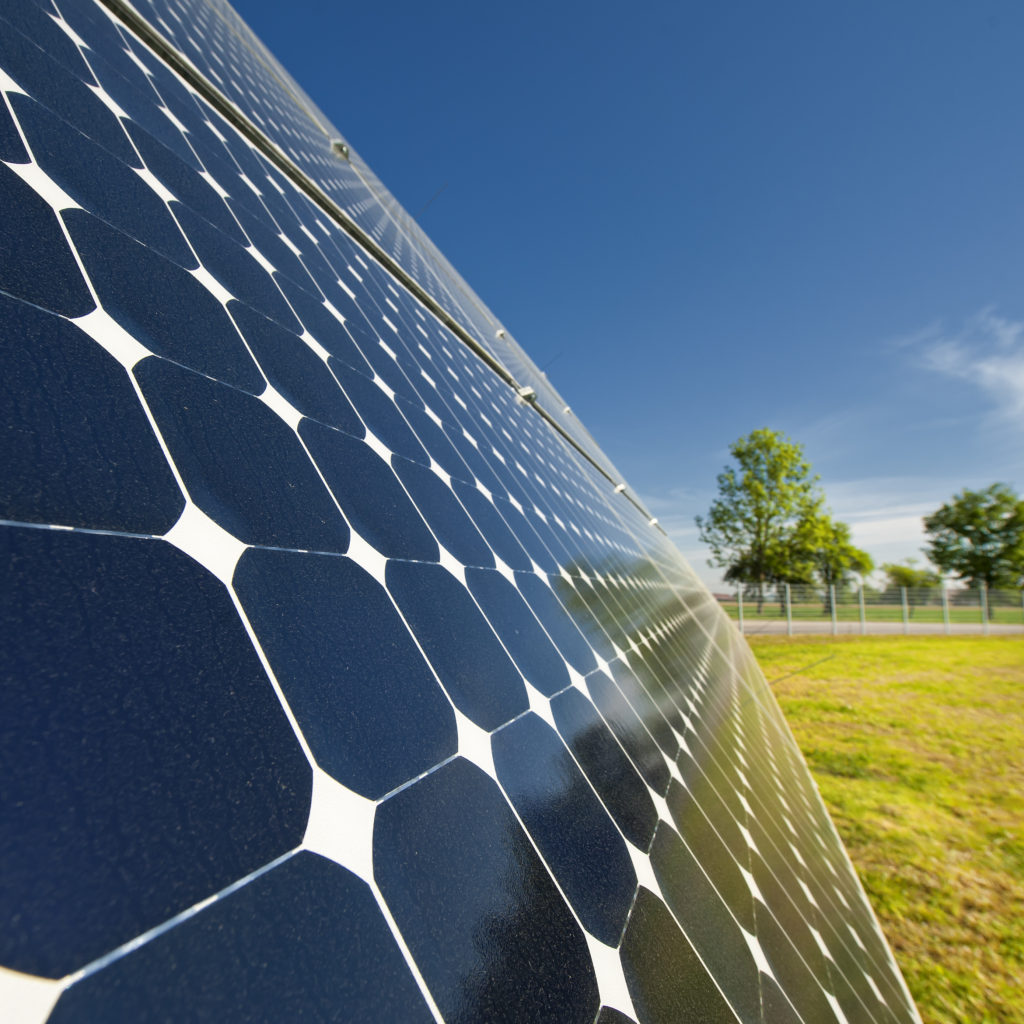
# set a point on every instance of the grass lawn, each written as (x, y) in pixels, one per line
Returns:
(917, 746)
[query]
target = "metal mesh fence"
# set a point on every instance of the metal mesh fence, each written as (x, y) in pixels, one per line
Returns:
(793, 608)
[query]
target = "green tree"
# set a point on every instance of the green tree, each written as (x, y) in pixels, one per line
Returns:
(900, 575)
(829, 549)
(979, 536)
(752, 526)
(906, 574)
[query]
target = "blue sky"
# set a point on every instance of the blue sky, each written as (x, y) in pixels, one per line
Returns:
(707, 218)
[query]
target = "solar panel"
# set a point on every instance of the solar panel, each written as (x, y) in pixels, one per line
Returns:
(342, 679)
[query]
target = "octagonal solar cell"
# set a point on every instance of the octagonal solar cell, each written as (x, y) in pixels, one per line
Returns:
(492, 934)
(298, 942)
(149, 763)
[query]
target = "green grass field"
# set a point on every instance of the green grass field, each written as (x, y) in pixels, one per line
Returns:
(917, 746)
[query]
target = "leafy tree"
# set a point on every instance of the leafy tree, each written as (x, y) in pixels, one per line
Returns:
(906, 574)
(979, 536)
(752, 526)
(916, 581)
(830, 551)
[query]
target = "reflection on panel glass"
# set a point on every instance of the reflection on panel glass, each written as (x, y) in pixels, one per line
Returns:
(340, 681)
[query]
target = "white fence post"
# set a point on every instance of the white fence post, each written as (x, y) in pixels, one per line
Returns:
(863, 617)
(832, 605)
(789, 614)
(906, 616)
(739, 605)
(983, 597)
(945, 607)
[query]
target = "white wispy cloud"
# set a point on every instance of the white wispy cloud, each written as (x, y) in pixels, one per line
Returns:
(886, 514)
(987, 352)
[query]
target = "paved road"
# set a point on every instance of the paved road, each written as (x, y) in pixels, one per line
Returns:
(804, 626)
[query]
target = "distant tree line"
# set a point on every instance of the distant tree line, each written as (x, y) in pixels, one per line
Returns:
(769, 525)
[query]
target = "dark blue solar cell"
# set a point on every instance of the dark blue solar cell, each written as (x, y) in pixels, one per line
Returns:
(37, 25)
(802, 974)
(774, 870)
(388, 369)
(35, 261)
(472, 458)
(309, 251)
(148, 763)
(586, 610)
(849, 959)
(371, 497)
(242, 464)
(853, 1003)
(161, 305)
(67, 96)
(554, 618)
(642, 704)
(656, 679)
(666, 980)
(215, 160)
(549, 531)
(263, 235)
(103, 39)
(355, 320)
(185, 182)
(295, 370)
(434, 439)
(379, 413)
(775, 1007)
(445, 516)
(125, 83)
(491, 935)
(629, 731)
(609, 770)
(171, 91)
(365, 699)
(12, 149)
(473, 667)
(702, 913)
(531, 650)
(610, 1016)
(305, 941)
(77, 448)
(487, 520)
(324, 326)
(369, 296)
(522, 529)
(235, 268)
(625, 615)
(719, 861)
(271, 185)
(99, 182)
(240, 151)
(712, 780)
(572, 830)
(695, 777)
(491, 447)
(44, 5)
